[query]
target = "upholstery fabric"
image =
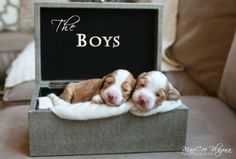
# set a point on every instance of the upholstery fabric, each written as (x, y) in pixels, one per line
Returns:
(9, 12)
(205, 31)
(205, 128)
(228, 86)
(11, 43)
(14, 41)
(185, 84)
(5, 61)
(21, 92)
(210, 123)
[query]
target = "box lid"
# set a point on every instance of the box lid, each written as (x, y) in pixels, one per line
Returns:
(76, 41)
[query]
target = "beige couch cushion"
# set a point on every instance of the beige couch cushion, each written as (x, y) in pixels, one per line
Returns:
(210, 122)
(204, 34)
(14, 41)
(11, 43)
(185, 84)
(228, 86)
(5, 61)
(20, 92)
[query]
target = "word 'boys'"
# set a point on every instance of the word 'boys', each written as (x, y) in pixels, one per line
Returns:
(96, 41)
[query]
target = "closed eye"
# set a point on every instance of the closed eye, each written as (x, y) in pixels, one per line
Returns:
(126, 87)
(160, 93)
(157, 94)
(127, 90)
(141, 83)
(109, 80)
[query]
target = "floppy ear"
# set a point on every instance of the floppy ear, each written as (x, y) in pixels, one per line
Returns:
(172, 93)
(102, 81)
(134, 82)
(142, 75)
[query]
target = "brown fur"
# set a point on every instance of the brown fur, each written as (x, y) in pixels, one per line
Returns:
(141, 81)
(172, 94)
(108, 80)
(161, 97)
(81, 91)
(128, 87)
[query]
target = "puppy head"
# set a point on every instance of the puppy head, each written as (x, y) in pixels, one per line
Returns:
(116, 87)
(152, 89)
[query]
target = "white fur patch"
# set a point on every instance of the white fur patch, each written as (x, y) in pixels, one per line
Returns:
(97, 99)
(156, 81)
(115, 88)
(121, 76)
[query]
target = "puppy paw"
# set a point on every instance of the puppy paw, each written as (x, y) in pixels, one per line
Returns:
(97, 99)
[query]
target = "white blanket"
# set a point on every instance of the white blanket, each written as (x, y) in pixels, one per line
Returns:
(88, 110)
(22, 68)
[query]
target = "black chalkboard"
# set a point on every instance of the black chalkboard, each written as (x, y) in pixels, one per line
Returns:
(62, 58)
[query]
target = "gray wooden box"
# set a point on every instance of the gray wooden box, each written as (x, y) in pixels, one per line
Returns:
(50, 135)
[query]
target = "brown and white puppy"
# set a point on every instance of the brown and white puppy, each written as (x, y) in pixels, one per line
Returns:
(114, 89)
(152, 89)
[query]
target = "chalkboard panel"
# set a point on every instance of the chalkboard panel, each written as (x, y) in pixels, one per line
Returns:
(91, 42)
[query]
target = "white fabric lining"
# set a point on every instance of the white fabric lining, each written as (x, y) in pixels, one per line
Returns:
(88, 110)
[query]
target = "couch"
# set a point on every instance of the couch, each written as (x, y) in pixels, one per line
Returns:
(204, 45)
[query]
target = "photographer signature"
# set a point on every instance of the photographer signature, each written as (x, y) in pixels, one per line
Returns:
(215, 150)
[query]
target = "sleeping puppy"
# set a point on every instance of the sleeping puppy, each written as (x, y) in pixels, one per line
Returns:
(114, 89)
(152, 89)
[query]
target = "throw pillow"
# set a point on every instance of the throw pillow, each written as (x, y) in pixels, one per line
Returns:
(228, 87)
(205, 31)
(9, 10)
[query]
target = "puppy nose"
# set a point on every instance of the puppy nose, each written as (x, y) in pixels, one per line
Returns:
(110, 96)
(142, 101)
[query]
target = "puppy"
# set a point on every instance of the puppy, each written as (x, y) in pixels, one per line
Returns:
(152, 89)
(114, 89)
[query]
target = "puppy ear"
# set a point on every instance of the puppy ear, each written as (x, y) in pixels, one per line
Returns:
(102, 81)
(142, 75)
(132, 83)
(172, 93)
(132, 80)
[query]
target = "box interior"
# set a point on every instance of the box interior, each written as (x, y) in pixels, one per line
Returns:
(44, 91)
